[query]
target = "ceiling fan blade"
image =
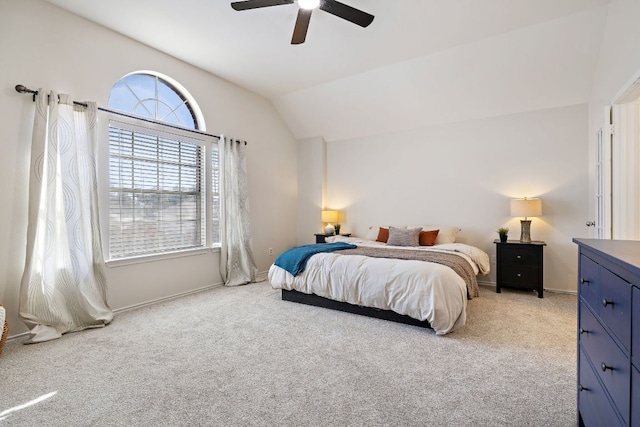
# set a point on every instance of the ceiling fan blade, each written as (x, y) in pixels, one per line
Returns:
(302, 25)
(254, 4)
(349, 13)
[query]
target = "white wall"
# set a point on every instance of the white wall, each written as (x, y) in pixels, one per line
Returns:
(312, 166)
(618, 66)
(464, 174)
(43, 46)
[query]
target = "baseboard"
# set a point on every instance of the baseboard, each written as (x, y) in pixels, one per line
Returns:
(16, 337)
(168, 298)
(553, 291)
(561, 291)
(262, 276)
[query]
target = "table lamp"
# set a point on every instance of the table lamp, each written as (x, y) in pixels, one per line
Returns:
(330, 218)
(526, 208)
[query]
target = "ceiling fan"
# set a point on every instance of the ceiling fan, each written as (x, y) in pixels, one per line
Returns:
(334, 7)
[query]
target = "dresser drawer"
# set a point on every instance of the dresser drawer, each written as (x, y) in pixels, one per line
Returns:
(635, 339)
(635, 397)
(593, 403)
(516, 275)
(615, 309)
(591, 335)
(609, 361)
(520, 255)
(609, 330)
(588, 283)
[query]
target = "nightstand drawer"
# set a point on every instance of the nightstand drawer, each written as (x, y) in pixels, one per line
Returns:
(593, 403)
(520, 255)
(615, 305)
(516, 275)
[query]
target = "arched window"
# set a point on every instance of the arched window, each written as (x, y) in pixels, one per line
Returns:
(163, 180)
(155, 97)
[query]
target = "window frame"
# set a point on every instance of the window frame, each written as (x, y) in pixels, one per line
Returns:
(208, 142)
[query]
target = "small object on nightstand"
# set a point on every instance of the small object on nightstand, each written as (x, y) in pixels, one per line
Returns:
(320, 237)
(503, 232)
(519, 265)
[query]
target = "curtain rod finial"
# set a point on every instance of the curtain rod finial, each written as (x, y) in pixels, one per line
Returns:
(24, 89)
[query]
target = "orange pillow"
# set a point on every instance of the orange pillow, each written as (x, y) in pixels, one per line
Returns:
(383, 235)
(427, 238)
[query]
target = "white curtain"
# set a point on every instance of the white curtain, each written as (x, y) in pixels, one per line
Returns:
(63, 287)
(237, 264)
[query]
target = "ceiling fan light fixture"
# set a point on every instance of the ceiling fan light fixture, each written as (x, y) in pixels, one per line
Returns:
(308, 4)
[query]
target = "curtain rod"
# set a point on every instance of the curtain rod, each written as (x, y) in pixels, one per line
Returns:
(23, 89)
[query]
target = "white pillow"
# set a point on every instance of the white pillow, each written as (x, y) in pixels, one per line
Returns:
(447, 233)
(372, 232)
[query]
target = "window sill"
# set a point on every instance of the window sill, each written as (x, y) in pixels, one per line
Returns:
(142, 259)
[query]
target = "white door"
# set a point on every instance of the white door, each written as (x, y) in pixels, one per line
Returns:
(602, 221)
(625, 167)
(598, 223)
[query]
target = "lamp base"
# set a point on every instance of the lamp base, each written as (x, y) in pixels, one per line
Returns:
(525, 231)
(329, 230)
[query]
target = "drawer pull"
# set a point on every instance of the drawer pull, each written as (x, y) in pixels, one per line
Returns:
(605, 302)
(581, 388)
(519, 275)
(583, 281)
(583, 331)
(519, 256)
(604, 367)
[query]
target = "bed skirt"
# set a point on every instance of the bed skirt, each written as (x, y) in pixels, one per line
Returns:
(318, 301)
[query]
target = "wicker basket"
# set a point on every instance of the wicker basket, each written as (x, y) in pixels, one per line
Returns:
(5, 332)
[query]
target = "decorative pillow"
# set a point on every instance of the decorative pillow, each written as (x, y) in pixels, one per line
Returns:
(383, 235)
(399, 237)
(372, 232)
(428, 238)
(447, 233)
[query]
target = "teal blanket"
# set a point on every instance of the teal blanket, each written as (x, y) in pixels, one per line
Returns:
(294, 260)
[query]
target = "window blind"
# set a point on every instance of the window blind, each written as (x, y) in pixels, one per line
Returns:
(215, 195)
(156, 193)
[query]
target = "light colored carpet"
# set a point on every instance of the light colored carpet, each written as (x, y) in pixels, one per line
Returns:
(241, 356)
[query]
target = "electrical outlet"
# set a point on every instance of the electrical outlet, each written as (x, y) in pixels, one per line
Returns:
(270, 251)
(493, 259)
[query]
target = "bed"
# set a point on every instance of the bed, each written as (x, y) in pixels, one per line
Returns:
(419, 285)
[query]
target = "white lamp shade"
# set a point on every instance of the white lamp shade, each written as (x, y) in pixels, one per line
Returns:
(330, 216)
(526, 207)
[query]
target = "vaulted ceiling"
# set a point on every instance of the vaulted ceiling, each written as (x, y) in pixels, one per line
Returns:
(420, 62)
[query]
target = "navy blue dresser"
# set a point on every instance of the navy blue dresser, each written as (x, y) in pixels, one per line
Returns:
(608, 332)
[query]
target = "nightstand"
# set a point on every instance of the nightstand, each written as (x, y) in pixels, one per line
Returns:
(519, 265)
(320, 237)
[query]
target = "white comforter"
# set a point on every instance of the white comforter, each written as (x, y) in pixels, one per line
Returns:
(422, 290)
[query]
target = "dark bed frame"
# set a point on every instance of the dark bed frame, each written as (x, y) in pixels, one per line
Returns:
(318, 301)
